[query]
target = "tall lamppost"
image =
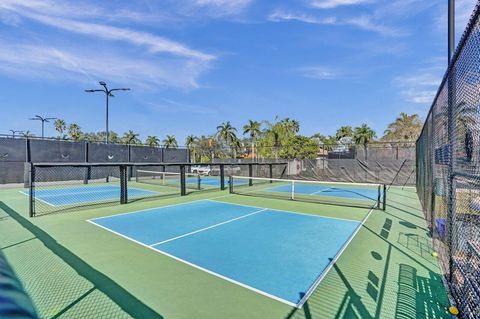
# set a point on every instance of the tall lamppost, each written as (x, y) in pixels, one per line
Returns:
(15, 132)
(44, 120)
(108, 93)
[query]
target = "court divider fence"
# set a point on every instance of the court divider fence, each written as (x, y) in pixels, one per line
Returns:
(65, 187)
(448, 172)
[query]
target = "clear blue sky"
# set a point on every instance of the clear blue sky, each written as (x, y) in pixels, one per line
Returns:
(194, 64)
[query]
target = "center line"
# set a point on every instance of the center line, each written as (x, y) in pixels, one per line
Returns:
(209, 227)
(320, 191)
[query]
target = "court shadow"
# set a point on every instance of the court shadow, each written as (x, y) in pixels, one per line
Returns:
(101, 283)
(413, 300)
(416, 209)
(411, 194)
(351, 305)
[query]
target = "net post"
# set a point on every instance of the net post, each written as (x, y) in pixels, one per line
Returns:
(31, 192)
(384, 197)
(250, 174)
(293, 191)
(123, 184)
(230, 186)
(199, 182)
(222, 177)
(183, 189)
(379, 194)
(270, 168)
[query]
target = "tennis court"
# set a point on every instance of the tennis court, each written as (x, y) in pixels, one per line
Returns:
(85, 194)
(266, 248)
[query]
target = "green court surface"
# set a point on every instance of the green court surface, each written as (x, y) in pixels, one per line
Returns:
(73, 269)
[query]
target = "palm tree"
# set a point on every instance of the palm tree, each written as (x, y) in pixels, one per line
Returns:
(27, 134)
(235, 144)
(274, 133)
(291, 127)
(74, 131)
(152, 141)
(404, 128)
(170, 141)
(190, 142)
(60, 126)
(364, 135)
(227, 133)
(327, 143)
(131, 137)
(344, 134)
(253, 129)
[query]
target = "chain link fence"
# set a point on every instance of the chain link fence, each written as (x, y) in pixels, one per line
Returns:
(448, 176)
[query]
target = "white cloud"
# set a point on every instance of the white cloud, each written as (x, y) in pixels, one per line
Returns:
(154, 43)
(82, 9)
(88, 65)
(363, 22)
(463, 13)
(419, 96)
(421, 86)
(279, 16)
(318, 72)
(213, 8)
(328, 4)
(137, 56)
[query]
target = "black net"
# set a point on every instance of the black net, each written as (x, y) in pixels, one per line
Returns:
(66, 187)
(210, 175)
(70, 187)
(448, 177)
(334, 193)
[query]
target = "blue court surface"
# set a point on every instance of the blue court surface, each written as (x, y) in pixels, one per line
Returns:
(280, 254)
(85, 194)
(331, 191)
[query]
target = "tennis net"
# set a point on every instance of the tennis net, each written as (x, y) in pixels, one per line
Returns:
(192, 180)
(334, 193)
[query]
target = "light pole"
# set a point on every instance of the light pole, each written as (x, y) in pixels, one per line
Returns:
(43, 119)
(108, 93)
(15, 132)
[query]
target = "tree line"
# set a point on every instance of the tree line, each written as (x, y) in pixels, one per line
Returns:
(278, 138)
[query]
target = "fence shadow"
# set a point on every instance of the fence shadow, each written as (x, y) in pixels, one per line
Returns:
(101, 283)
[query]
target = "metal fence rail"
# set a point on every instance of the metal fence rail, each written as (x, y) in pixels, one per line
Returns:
(448, 172)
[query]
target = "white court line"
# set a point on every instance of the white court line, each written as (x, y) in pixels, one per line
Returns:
(312, 287)
(334, 260)
(266, 294)
(37, 198)
(207, 228)
(322, 190)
